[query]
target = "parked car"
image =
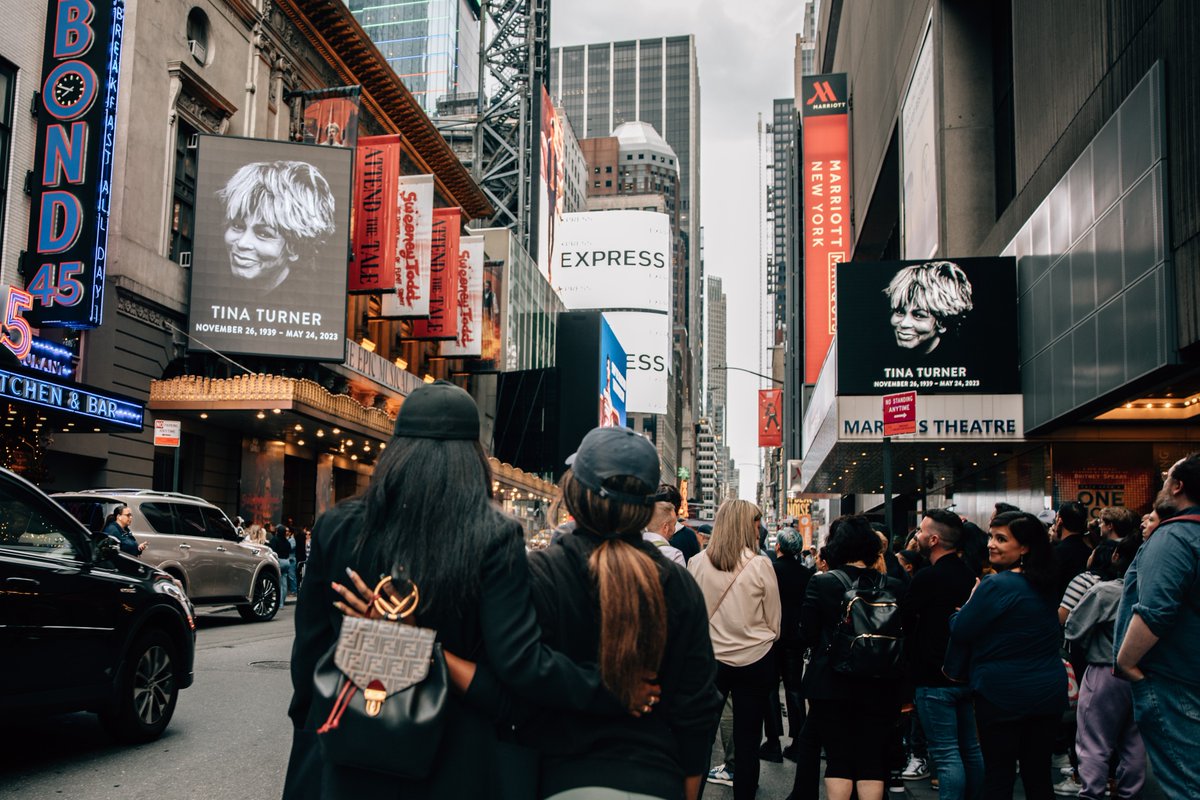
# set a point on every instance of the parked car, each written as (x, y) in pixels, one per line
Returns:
(83, 626)
(194, 541)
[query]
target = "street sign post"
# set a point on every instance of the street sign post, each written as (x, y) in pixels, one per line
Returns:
(899, 413)
(899, 418)
(166, 434)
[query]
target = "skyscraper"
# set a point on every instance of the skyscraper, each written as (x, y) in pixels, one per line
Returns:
(783, 141)
(600, 86)
(433, 45)
(717, 382)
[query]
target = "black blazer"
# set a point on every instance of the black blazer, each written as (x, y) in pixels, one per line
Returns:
(500, 631)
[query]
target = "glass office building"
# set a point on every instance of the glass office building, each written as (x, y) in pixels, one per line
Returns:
(433, 45)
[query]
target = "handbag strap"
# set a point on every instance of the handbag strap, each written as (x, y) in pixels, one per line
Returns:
(727, 588)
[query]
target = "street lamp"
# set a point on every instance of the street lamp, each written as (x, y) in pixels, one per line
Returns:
(752, 372)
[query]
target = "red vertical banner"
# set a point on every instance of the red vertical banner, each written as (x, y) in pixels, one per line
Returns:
(442, 323)
(375, 223)
(770, 422)
(470, 300)
(827, 235)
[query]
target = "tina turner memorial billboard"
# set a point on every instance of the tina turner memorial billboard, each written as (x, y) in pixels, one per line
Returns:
(269, 266)
(939, 327)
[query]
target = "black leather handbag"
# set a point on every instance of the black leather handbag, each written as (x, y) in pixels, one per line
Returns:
(382, 690)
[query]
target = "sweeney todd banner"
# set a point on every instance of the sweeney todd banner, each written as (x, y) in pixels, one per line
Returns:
(469, 289)
(940, 327)
(272, 232)
(414, 210)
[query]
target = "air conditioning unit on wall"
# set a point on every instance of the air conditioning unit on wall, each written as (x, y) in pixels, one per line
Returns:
(198, 50)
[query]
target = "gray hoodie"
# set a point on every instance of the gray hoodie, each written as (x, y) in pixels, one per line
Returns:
(1091, 622)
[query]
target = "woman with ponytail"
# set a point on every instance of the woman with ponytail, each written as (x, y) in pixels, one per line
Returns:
(604, 594)
(742, 597)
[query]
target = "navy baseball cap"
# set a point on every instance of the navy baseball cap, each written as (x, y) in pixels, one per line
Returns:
(617, 453)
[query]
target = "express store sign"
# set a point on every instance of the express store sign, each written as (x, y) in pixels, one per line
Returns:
(76, 120)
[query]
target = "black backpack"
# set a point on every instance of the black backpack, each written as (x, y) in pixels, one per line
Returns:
(870, 635)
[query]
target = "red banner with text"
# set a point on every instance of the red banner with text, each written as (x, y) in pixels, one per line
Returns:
(376, 172)
(827, 234)
(442, 323)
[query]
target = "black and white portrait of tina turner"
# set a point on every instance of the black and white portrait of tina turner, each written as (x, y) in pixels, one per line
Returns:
(946, 327)
(271, 247)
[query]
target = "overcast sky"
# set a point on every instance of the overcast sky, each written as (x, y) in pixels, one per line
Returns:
(746, 51)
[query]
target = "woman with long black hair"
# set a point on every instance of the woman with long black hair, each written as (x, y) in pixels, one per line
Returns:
(429, 510)
(1007, 635)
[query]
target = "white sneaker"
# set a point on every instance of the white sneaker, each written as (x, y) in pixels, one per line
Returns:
(719, 774)
(1068, 787)
(1060, 760)
(917, 769)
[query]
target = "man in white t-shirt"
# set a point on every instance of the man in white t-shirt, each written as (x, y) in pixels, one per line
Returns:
(660, 526)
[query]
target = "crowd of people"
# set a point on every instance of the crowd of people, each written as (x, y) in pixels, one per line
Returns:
(607, 664)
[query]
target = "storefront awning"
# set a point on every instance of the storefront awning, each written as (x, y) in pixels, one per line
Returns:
(191, 393)
(70, 406)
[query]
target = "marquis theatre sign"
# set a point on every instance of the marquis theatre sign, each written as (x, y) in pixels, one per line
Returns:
(71, 182)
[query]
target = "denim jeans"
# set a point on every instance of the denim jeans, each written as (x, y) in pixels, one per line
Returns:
(287, 578)
(1168, 715)
(948, 719)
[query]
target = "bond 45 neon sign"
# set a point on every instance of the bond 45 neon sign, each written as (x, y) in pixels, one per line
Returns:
(77, 118)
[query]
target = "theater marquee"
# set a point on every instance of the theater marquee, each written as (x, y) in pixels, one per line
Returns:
(71, 184)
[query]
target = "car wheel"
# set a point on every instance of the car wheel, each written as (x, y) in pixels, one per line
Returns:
(146, 691)
(264, 602)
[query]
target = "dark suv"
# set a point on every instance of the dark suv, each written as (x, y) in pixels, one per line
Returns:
(83, 626)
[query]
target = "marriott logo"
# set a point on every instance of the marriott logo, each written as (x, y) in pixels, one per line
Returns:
(823, 93)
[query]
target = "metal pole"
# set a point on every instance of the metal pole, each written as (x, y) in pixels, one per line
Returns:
(887, 487)
(175, 472)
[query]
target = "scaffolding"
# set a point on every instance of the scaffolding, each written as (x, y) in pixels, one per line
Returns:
(497, 131)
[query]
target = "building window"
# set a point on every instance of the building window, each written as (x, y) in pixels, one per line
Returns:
(197, 35)
(608, 184)
(629, 157)
(608, 169)
(595, 184)
(183, 201)
(596, 170)
(641, 156)
(8, 90)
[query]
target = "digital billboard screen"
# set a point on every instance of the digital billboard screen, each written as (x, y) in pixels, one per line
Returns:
(939, 327)
(269, 268)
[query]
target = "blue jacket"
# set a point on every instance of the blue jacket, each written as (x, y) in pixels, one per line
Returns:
(1013, 638)
(1162, 587)
(124, 537)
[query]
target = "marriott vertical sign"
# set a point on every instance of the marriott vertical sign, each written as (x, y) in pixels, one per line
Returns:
(826, 127)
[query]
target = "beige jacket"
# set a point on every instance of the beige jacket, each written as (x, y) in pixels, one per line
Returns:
(747, 622)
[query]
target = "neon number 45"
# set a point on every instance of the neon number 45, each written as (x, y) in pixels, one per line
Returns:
(17, 335)
(66, 291)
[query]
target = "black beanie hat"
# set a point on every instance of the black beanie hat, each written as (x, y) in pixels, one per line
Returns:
(438, 410)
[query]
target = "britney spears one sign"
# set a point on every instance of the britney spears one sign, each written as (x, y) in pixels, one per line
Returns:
(77, 118)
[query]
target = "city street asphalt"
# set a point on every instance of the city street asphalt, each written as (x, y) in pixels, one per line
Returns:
(230, 736)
